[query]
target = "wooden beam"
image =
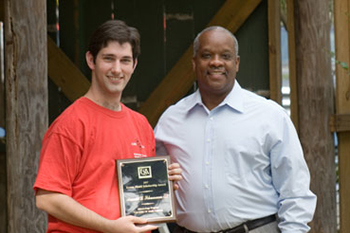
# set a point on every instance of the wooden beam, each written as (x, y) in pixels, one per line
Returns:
(342, 52)
(64, 73)
(180, 78)
(275, 70)
(26, 109)
(294, 111)
(340, 123)
(315, 104)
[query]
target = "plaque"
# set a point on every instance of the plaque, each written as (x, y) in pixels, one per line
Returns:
(145, 190)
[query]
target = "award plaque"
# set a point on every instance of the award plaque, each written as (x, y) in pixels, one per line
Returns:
(145, 190)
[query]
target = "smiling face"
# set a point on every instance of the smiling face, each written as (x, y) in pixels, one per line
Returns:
(215, 65)
(111, 71)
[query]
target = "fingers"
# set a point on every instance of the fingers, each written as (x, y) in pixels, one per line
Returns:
(137, 220)
(147, 227)
(174, 169)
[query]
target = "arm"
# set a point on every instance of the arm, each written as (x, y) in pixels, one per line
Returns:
(291, 179)
(68, 210)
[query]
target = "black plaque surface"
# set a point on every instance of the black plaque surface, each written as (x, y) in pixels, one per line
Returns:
(145, 190)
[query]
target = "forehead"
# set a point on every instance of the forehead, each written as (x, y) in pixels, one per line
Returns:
(216, 40)
(114, 47)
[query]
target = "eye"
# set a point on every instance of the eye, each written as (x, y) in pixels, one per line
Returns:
(206, 55)
(126, 60)
(227, 56)
(108, 58)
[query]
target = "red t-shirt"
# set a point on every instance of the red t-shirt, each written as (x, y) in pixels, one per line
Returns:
(79, 152)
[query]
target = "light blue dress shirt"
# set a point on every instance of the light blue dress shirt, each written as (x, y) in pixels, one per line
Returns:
(241, 161)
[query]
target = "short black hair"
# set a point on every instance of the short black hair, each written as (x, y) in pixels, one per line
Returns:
(115, 30)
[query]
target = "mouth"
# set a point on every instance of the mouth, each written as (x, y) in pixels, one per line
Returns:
(114, 78)
(217, 72)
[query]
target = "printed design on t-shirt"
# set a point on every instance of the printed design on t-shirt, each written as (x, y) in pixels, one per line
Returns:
(137, 143)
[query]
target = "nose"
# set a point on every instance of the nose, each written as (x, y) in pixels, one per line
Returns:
(216, 61)
(116, 68)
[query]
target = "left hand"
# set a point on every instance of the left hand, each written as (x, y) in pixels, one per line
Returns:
(175, 171)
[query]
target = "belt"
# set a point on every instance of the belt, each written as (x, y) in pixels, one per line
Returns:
(245, 227)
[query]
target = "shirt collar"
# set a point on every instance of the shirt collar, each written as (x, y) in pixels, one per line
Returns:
(234, 99)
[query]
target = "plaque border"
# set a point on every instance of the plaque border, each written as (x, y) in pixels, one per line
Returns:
(165, 158)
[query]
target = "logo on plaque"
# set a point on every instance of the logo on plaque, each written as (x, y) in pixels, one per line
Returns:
(144, 172)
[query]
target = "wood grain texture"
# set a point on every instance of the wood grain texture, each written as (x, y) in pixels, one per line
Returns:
(26, 105)
(275, 69)
(342, 51)
(294, 112)
(64, 73)
(315, 105)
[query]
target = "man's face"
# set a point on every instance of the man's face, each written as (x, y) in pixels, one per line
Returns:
(112, 69)
(215, 64)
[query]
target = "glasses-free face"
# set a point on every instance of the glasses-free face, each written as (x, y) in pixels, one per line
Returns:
(215, 64)
(111, 70)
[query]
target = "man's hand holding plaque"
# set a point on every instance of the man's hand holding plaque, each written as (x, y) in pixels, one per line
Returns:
(145, 188)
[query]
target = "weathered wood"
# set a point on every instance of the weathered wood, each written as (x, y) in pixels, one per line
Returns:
(315, 102)
(342, 51)
(294, 112)
(275, 70)
(26, 109)
(180, 78)
(64, 73)
(339, 123)
(3, 182)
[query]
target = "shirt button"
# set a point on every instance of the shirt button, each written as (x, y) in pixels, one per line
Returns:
(207, 163)
(209, 211)
(206, 186)
(208, 140)
(211, 118)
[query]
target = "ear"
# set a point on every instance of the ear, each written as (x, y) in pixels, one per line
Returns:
(193, 64)
(238, 59)
(90, 60)
(134, 65)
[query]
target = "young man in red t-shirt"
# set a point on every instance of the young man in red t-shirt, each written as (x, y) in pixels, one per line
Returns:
(77, 182)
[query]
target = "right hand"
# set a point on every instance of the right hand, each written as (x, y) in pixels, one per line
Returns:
(130, 224)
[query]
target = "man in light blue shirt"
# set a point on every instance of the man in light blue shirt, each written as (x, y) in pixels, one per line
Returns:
(243, 165)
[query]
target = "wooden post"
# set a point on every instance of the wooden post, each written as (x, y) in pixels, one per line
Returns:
(342, 51)
(26, 109)
(315, 105)
(294, 110)
(275, 69)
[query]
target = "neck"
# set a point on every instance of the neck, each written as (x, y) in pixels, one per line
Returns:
(113, 104)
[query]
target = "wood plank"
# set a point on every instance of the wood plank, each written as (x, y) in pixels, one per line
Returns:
(340, 123)
(180, 78)
(342, 51)
(315, 105)
(3, 182)
(26, 109)
(64, 73)
(275, 69)
(294, 111)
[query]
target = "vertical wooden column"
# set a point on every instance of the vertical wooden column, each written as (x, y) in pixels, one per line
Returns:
(275, 69)
(342, 51)
(294, 111)
(315, 102)
(26, 109)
